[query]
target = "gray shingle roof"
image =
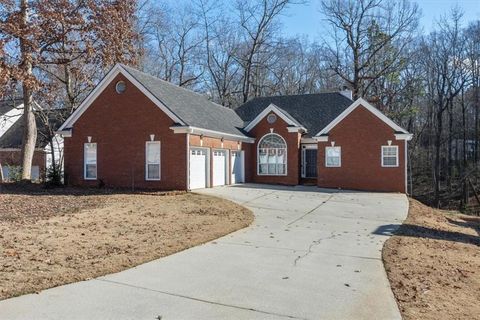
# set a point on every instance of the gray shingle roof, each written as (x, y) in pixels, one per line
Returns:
(7, 104)
(12, 138)
(313, 111)
(192, 108)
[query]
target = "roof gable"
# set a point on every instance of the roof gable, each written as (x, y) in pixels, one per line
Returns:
(193, 108)
(361, 102)
(291, 121)
(183, 106)
(107, 79)
(311, 111)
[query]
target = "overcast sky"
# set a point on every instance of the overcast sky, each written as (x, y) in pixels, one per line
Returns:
(306, 19)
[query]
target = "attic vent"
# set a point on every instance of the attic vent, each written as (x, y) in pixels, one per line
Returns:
(271, 118)
(120, 87)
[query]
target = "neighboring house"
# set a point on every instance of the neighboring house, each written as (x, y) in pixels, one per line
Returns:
(11, 110)
(11, 144)
(135, 130)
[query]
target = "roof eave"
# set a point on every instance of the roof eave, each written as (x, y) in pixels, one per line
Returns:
(211, 133)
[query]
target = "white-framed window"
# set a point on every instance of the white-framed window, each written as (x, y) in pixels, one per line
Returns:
(389, 156)
(333, 156)
(272, 156)
(90, 161)
(152, 160)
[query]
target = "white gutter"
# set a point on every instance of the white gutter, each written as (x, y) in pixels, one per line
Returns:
(210, 133)
(64, 133)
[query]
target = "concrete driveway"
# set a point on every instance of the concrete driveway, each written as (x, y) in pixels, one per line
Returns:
(309, 254)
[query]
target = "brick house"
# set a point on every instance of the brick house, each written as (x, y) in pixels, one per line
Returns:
(138, 131)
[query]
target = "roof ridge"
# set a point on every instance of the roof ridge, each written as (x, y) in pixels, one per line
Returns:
(298, 95)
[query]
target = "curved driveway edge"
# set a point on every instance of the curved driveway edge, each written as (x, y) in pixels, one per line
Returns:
(310, 254)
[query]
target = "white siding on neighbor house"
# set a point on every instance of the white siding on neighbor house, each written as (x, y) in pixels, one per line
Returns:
(9, 118)
(58, 152)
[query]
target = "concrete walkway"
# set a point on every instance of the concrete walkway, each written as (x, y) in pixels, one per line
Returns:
(309, 254)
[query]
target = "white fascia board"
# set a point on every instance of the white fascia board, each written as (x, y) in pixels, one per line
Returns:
(117, 69)
(36, 106)
(308, 140)
(321, 138)
(369, 107)
(271, 108)
(296, 129)
(403, 136)
(66, 133)
(210, 133)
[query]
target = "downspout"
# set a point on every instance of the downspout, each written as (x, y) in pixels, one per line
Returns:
(406, 167)
(188, 163)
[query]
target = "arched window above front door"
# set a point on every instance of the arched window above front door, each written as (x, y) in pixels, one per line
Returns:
(272, 155)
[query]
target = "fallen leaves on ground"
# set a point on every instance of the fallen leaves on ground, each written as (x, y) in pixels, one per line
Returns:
(50, 238)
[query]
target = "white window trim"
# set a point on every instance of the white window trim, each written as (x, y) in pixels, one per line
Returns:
(85, 160)
(390, 166)
(339, 160)
(159, 162)
(286, 157)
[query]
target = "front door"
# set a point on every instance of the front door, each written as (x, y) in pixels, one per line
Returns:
(310, 163)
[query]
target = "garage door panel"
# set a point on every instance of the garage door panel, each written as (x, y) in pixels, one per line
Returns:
(198, 168)
(237, 167)
(219, 167)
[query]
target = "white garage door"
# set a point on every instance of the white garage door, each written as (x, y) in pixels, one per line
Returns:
(198, 168)
(219, 167)
(237, 167)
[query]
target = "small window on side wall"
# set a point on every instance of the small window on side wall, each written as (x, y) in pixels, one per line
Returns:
(90, 161)
(333, 156)
(389, 156)
(152, 160)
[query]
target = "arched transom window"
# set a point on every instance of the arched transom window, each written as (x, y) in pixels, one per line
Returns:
(272, 155)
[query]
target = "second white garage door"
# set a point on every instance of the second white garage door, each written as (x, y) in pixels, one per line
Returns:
(198, 168)
(219, 167)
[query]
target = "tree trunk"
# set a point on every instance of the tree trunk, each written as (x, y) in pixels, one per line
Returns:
(30, 129)
(54, 162)
(438, 143)
(464, 154)
(450, 156)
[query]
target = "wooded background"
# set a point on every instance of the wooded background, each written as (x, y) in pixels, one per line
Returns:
(55, 51)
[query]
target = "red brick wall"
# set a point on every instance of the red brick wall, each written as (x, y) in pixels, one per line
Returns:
(13, 158)
(360, 136)
(293, 153)
(215, 143)
(120, 124)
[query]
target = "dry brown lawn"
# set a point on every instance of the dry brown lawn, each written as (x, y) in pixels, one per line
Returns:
(50, 238)
(433, 264)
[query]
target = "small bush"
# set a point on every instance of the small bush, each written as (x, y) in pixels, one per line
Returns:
(14, 173)
(54, 176)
